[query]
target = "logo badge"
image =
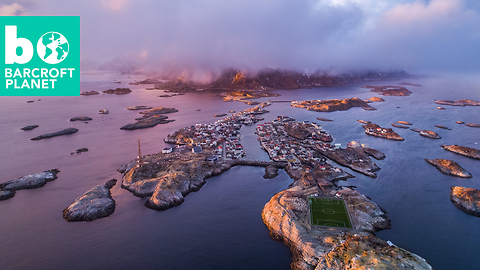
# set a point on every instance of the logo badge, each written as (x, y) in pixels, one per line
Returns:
(40, 56)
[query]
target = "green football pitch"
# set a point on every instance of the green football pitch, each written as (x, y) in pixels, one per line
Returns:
(329, 212)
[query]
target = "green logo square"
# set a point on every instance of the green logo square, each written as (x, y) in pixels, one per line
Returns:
(40, 56)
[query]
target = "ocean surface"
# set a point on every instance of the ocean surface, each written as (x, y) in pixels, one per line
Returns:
(220, 226)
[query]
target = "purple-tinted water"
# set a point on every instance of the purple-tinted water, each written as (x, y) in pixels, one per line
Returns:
(220, 226)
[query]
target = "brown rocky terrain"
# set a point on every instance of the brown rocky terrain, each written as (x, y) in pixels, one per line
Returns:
(399, 126)
(462, 150)
(354, 158)
(377, 131)
(388, 90)
(375, 99)
(473, 125)
(168, 178)
(118, 91)
(241, 95)
(287, 217)
(449, 167)
(462, 102)
(331, 105)
(426, 133)
(466, 199)
(404, 123)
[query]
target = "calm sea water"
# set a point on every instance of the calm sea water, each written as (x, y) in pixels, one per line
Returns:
(220, 226)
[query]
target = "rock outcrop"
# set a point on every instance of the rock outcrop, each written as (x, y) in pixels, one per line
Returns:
(313, 247)
(353, 158)
(443, 127)
(93, 204)
(54, 134)
(466, 199)
(473, 125)
(389, 90)
(168, 178)
(397, 125)
(426, 133)
(331, 105)
(89, 93)
(8, 189)
(462, 102)
(462, 150)
(80, 118)
(147, 122)
(29, 127)
(140, 107)
(377, 131)
(118, 91)
(374, 153)
(449, 167)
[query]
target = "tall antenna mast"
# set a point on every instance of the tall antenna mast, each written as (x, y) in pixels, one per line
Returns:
(139, 158)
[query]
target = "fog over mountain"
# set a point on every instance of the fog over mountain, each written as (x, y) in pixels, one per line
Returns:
(210, 35)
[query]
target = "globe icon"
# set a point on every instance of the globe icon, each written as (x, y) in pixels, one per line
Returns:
(52, 47)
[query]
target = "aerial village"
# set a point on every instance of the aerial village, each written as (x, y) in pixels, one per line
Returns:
(221, 138)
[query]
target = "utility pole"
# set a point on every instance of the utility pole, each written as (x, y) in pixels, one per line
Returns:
(139, 158)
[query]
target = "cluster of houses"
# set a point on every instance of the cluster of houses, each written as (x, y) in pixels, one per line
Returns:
(280, 146)
(221, 138)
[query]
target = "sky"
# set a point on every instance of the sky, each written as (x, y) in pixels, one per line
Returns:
(210, 35)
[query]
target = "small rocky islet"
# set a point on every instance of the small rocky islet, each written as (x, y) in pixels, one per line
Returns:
(466, 199)
(150, 118)
(8, 189)
(80, 118)
(389, 90)
(427, 133)
(449, 167)
(462, 102)
(462, 150)
(118, 91)
(29, 127)
(67, 131)
(93, 204)
(377, 131)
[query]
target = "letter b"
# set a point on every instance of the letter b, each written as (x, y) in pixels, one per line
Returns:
(11, 44)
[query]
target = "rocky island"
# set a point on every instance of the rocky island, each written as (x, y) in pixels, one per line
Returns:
(89, 93)
(397, 125)
(118, 91)
(140, 107)
(150, 118)
(377, 131)
(473, 125)
(462, 150)
(449, 167)
(245, 95)
(443, 127)
(29, 127)
(466, 199)
(93, 204)
(462, 102)
(332, 104)
(426, 133)
(389, 90)
(80, 118)
(54, 134)
(8, 189)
